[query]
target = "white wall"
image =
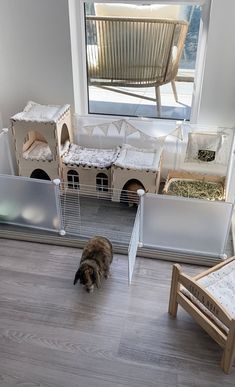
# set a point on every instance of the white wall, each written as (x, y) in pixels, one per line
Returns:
(36, 59)
(218, 89)
(35, 62)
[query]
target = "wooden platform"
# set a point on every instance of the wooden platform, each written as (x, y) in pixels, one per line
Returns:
(55, 334)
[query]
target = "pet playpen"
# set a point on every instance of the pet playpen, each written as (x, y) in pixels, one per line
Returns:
(168, 227)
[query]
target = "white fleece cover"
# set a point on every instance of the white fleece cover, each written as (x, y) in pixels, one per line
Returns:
(101, 158)
(38, 151)
(138, 159)
(221, 285)
(40, 113)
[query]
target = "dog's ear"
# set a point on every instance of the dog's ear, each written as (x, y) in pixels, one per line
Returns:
(97, 278)
(77, 276)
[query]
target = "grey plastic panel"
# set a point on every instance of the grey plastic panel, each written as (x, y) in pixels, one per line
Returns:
(187, 225)
(6, 166)
(29, 203)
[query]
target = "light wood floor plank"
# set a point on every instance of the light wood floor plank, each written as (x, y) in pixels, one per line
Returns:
(55, 334)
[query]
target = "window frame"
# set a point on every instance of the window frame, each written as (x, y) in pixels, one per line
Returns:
(78, 51)
(72, 184)
(101, 187)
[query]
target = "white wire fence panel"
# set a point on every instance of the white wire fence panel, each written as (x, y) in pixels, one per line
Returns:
(133, 246)
(70, 209)
(87, 212)
(29, 203)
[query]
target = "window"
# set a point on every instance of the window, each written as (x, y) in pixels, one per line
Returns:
(73, 179)
(176, 98)
(102, 182)
(125, 75)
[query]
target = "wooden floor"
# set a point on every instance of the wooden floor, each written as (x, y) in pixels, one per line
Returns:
(55, 334)
(93, 216)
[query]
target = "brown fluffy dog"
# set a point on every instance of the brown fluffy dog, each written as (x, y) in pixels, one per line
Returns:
(95, 263)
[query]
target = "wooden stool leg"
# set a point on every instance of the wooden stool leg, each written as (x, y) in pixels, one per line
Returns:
(229, 350)
(173, 305)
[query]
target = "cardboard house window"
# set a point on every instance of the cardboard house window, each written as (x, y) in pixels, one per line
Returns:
(73, 179)
(102, 182)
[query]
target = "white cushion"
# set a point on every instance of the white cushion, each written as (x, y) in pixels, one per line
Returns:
(139, 159)
(221, 285)
(38, 151)
(101, 158)
(41, 113)
(155, 11)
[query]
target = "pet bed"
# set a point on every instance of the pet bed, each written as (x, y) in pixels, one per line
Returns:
(210, 298)
(138, 159)
(38, 151)
(93, 157)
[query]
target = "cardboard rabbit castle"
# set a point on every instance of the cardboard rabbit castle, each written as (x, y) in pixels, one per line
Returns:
(44, 147)
(41, 134)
